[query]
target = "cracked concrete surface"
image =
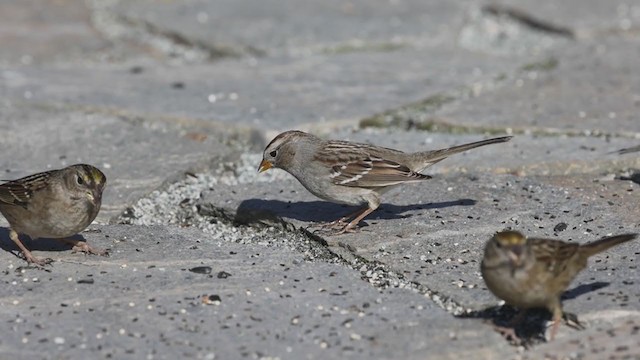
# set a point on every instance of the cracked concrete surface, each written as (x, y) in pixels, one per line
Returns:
(174, 101)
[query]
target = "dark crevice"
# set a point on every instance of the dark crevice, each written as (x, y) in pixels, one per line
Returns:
(628, 150)
(214, 52)
(529, 20)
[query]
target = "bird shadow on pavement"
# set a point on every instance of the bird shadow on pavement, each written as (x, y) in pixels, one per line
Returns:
(532, 328)
(324, 211)
(583, 289)
(42, 244)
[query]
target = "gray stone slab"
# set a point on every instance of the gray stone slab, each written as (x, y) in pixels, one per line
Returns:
(434, 233)
(64, 33)
(131, 86)
(614, 336)
(45, 32)
(136, 155)
(583, 88)
(302, 27)
(149, 300)
(269, 93)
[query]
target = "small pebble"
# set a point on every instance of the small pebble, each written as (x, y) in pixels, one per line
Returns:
(560, 227)
(201, 269)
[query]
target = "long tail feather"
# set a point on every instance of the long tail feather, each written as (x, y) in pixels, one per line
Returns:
(433, 156)
(603, 244)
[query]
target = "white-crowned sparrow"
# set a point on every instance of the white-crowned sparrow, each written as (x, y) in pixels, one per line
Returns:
(53, 204)
(533, 273)
(351, 173)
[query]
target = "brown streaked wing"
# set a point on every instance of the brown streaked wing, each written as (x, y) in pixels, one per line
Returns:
(358, 167)
(18, 192)
(373, 172)
(556, 254)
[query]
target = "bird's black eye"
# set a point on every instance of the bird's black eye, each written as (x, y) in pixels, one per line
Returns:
(79, 180)
(273, 153)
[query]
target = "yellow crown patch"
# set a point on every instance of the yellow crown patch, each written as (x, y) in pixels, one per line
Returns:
(510, 237)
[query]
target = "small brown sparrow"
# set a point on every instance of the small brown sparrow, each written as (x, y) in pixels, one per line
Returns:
(53, 204)
(533, 273)
(351, 173)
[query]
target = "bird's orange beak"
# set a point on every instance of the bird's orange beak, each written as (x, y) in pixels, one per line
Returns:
(265, 165)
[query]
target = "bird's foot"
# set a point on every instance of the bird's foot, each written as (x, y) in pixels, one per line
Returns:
(38, 262)
(335, 227)
(83, 247)
(331, 225)
(572, 321)
(347, 229)
(509, 333)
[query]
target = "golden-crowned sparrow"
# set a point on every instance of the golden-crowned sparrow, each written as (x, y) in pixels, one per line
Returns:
(53, 204)
(533, 273)
(351, 173)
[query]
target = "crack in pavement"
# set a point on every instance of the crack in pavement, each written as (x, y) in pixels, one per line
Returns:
(529, 20)
(176, 206)
(175, 46)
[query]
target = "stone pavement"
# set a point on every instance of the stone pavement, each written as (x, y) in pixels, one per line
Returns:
(175, 100)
